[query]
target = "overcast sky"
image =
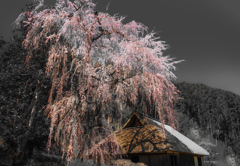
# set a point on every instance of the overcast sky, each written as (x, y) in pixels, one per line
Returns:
(205, 33)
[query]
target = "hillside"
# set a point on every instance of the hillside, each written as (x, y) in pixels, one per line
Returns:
(211, 117)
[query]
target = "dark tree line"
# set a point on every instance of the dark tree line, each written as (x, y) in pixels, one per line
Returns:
(24, 91)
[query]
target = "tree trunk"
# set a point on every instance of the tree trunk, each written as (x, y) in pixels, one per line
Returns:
(23, 140)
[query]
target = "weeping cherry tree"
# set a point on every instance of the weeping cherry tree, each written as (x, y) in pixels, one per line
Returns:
(99, 68)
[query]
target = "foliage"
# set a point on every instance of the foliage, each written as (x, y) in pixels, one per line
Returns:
(99, 69)
(216, 111)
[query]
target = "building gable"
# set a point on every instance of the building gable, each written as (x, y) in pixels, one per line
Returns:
(133, 122)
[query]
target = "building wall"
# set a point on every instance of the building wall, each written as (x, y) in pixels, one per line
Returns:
(168, 159)
(186, 160)
(163, 159)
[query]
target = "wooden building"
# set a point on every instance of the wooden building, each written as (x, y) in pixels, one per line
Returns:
(142, 140)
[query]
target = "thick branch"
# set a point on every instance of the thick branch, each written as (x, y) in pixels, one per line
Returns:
(102, 31)
(33, 112)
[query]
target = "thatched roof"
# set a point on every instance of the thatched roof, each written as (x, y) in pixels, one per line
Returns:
(145, 135)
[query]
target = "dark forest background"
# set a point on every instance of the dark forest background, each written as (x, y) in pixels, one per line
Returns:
(215, 111)
(215, 115)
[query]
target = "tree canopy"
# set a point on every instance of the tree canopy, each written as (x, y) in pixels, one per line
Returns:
(100, 69)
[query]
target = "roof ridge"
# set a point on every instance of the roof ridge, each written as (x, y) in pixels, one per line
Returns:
(150, 117)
